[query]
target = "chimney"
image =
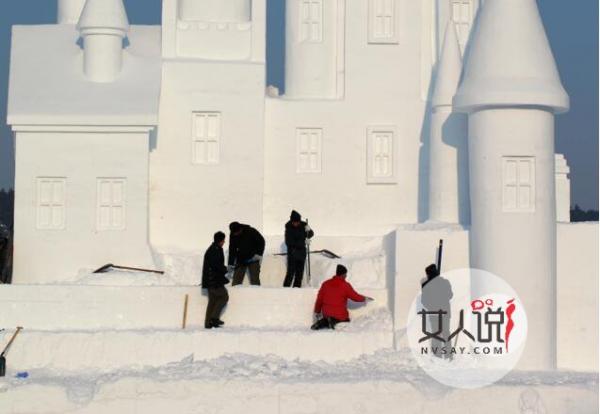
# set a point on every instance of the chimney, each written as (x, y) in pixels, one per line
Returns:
(69, 11)
(103, 25)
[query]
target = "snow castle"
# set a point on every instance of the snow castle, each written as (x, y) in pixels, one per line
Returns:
(402, 122)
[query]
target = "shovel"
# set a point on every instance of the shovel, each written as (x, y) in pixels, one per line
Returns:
(327, 253)
(108, 267)
(5, 351)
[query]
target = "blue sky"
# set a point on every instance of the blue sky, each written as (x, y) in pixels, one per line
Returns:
(572, 27)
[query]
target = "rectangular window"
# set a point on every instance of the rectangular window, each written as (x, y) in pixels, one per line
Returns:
(51, 200)
(381, 150)
(518, 175)
(206, 137)
(309, 150)
(311, 21)
(111, 203)
(383, 21)
(462, 16)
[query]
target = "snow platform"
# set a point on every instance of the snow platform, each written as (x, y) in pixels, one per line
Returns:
(107, 328)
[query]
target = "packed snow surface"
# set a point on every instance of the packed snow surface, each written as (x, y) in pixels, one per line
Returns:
(389, 366)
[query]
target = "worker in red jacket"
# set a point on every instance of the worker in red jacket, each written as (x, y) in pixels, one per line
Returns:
(332, 301)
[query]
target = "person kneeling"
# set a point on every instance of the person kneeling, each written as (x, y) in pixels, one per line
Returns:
(332, 300)
(214, 280)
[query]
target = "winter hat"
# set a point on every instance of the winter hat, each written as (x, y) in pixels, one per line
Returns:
(295, 216)
(235, 227)
(219, 237)
(432, 271)
(340, 270)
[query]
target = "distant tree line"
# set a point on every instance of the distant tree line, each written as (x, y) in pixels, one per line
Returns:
(577, 214)
(7, 202)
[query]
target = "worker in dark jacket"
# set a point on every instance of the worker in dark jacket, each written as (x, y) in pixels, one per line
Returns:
(246, 248)
(332, 300)
(214, 280)
(296, 233)
(435, 297)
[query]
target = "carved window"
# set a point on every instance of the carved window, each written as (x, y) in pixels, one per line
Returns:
(309, 144)
(311, 21)
(51, 203)
(462, 16)
(518, 174)
(381, 150)
(206, 137)
(383, 21)
(111, 203)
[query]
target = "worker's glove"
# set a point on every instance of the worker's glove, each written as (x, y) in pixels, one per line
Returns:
(369, 299)
(230, 268)
(256, 258)
(307, 228)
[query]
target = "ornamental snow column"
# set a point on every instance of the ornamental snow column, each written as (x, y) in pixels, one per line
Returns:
(314, 34)
(511, 91)
(68, 11)
(103, 26)
(448, 164)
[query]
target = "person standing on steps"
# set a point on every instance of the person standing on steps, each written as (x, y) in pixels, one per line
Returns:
(246, 248)
(435, 297)
(332, 300)
(296, 233)
(214, 281)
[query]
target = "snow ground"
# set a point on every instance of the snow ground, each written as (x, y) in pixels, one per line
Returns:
(243, 383)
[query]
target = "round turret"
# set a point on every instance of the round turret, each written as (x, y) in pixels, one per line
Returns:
(103, 26)
(68, 11)
(510, 62)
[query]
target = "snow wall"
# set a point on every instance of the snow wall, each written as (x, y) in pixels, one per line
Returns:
(577, 282)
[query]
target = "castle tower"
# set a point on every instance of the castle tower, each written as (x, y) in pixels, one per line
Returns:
(511, 91)
(214, 29)
(448, 164)
(69, 11)
(314, 48)
(210, 142)
(103, 25)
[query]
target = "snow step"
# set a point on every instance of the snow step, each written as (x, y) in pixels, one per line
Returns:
(82, 307)
(110, 350)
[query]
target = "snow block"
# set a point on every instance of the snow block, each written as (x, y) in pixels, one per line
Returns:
(68, 307)
(112, 350)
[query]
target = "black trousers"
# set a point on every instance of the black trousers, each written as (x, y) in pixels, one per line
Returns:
(326, 323)
(217, 299)
(295, 271)
(240, 272)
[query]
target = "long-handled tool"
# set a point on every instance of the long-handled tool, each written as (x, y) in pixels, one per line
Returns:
(308, 258)
(5, 351)
(439, 257)
(327, 253)
(108, 267)
(185, 312)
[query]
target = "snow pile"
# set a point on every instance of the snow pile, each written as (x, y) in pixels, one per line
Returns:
(369, 261)
(379, 319)
(182, 266)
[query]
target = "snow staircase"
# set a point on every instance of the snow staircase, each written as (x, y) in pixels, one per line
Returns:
(102, 327)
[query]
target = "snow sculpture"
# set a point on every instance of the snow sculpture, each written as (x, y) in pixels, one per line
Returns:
(448, 166)
(69, 11)
(511, 91)
(103, 26)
